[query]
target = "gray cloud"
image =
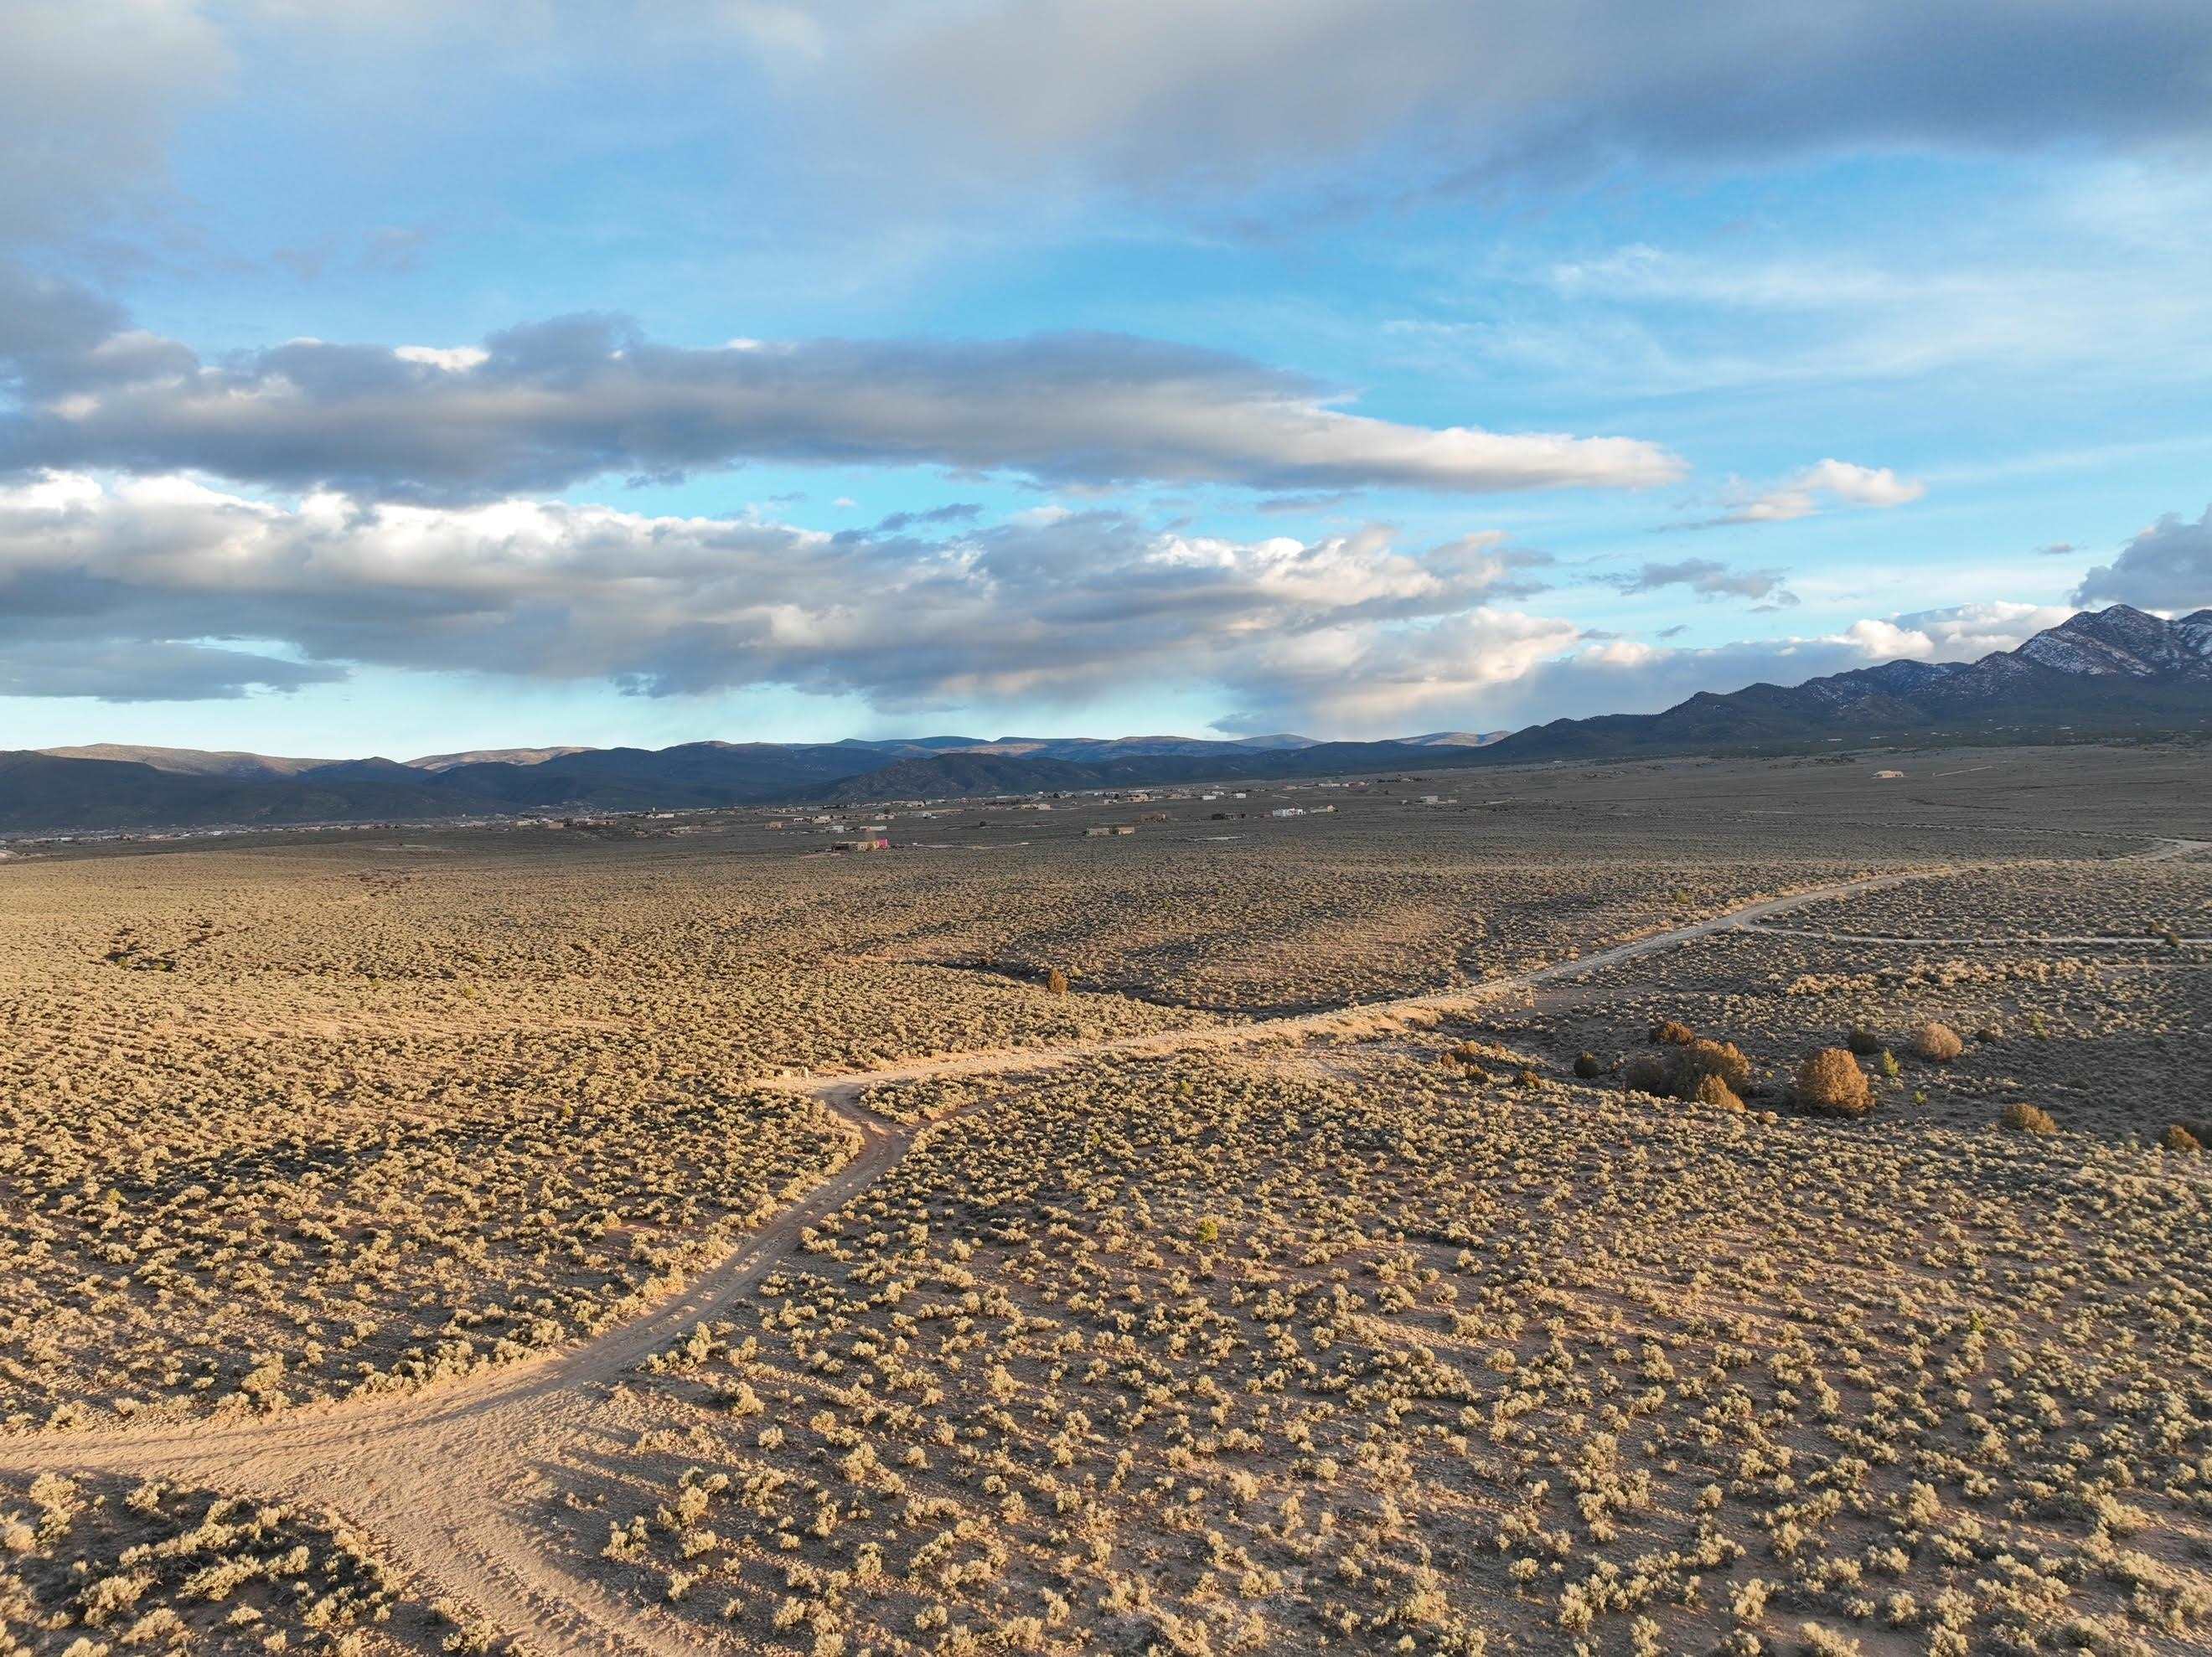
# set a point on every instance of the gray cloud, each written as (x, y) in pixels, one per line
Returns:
(1708, 579)
(91, 91)
(541, 407)
(2167, 566)
(135, 671)
(1458, 94)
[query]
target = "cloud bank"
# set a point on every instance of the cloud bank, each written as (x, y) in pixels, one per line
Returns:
(541, 407)
(155, 582)
(166, 589)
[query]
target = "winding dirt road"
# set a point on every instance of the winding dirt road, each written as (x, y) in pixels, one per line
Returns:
(445, 1476)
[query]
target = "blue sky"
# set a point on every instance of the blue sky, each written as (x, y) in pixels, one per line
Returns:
(378, 378)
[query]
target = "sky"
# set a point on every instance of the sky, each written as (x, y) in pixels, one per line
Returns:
(384, 376)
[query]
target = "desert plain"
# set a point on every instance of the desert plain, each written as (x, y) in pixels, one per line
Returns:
(1746, 1205)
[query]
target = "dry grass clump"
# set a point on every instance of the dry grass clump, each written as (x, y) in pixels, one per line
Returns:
(1831, 1084)
(2028, 1119)
(2178, 1136)
(91, 1565)
(1672, 1032)
(1255, 1353)
(2037, 900)
(1937, 1043)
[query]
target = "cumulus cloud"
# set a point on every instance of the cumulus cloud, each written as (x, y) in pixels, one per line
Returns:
(164, 587)
(1802, 493)
(1959, 633)
(146, 576)
(2167, 566)
(1363, 679)
(544, 406)
(1708, 579)
(1564, 674)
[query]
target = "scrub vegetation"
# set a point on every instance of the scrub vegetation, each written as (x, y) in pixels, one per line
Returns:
(1020, 1241)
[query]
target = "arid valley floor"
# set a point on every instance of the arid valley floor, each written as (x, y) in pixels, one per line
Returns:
(1413, 1228)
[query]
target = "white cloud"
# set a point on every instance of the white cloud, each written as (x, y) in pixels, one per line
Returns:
(1051, 605)
(165, 587)
(1801, 494)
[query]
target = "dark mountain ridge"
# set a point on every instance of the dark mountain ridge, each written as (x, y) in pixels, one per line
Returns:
(2110, 672)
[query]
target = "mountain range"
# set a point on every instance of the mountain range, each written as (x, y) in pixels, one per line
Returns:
(2114, 671)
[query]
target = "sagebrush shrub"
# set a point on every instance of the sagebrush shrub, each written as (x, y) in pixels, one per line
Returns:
(1710, 1090)
(1831, 1084)
(1700, 1058)
(1938, 1043)
(2028, 1119)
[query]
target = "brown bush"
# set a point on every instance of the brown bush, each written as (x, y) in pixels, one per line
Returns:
(1701, 1059)
(1055, 982)
(2028, 1119)
(1649, 1072)
(1831, 1084)
(1938, 1042)
(2179, 1137)
(1587, 1065)
(1670, 1032)
(1711, 1090)
(1863, 1041)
